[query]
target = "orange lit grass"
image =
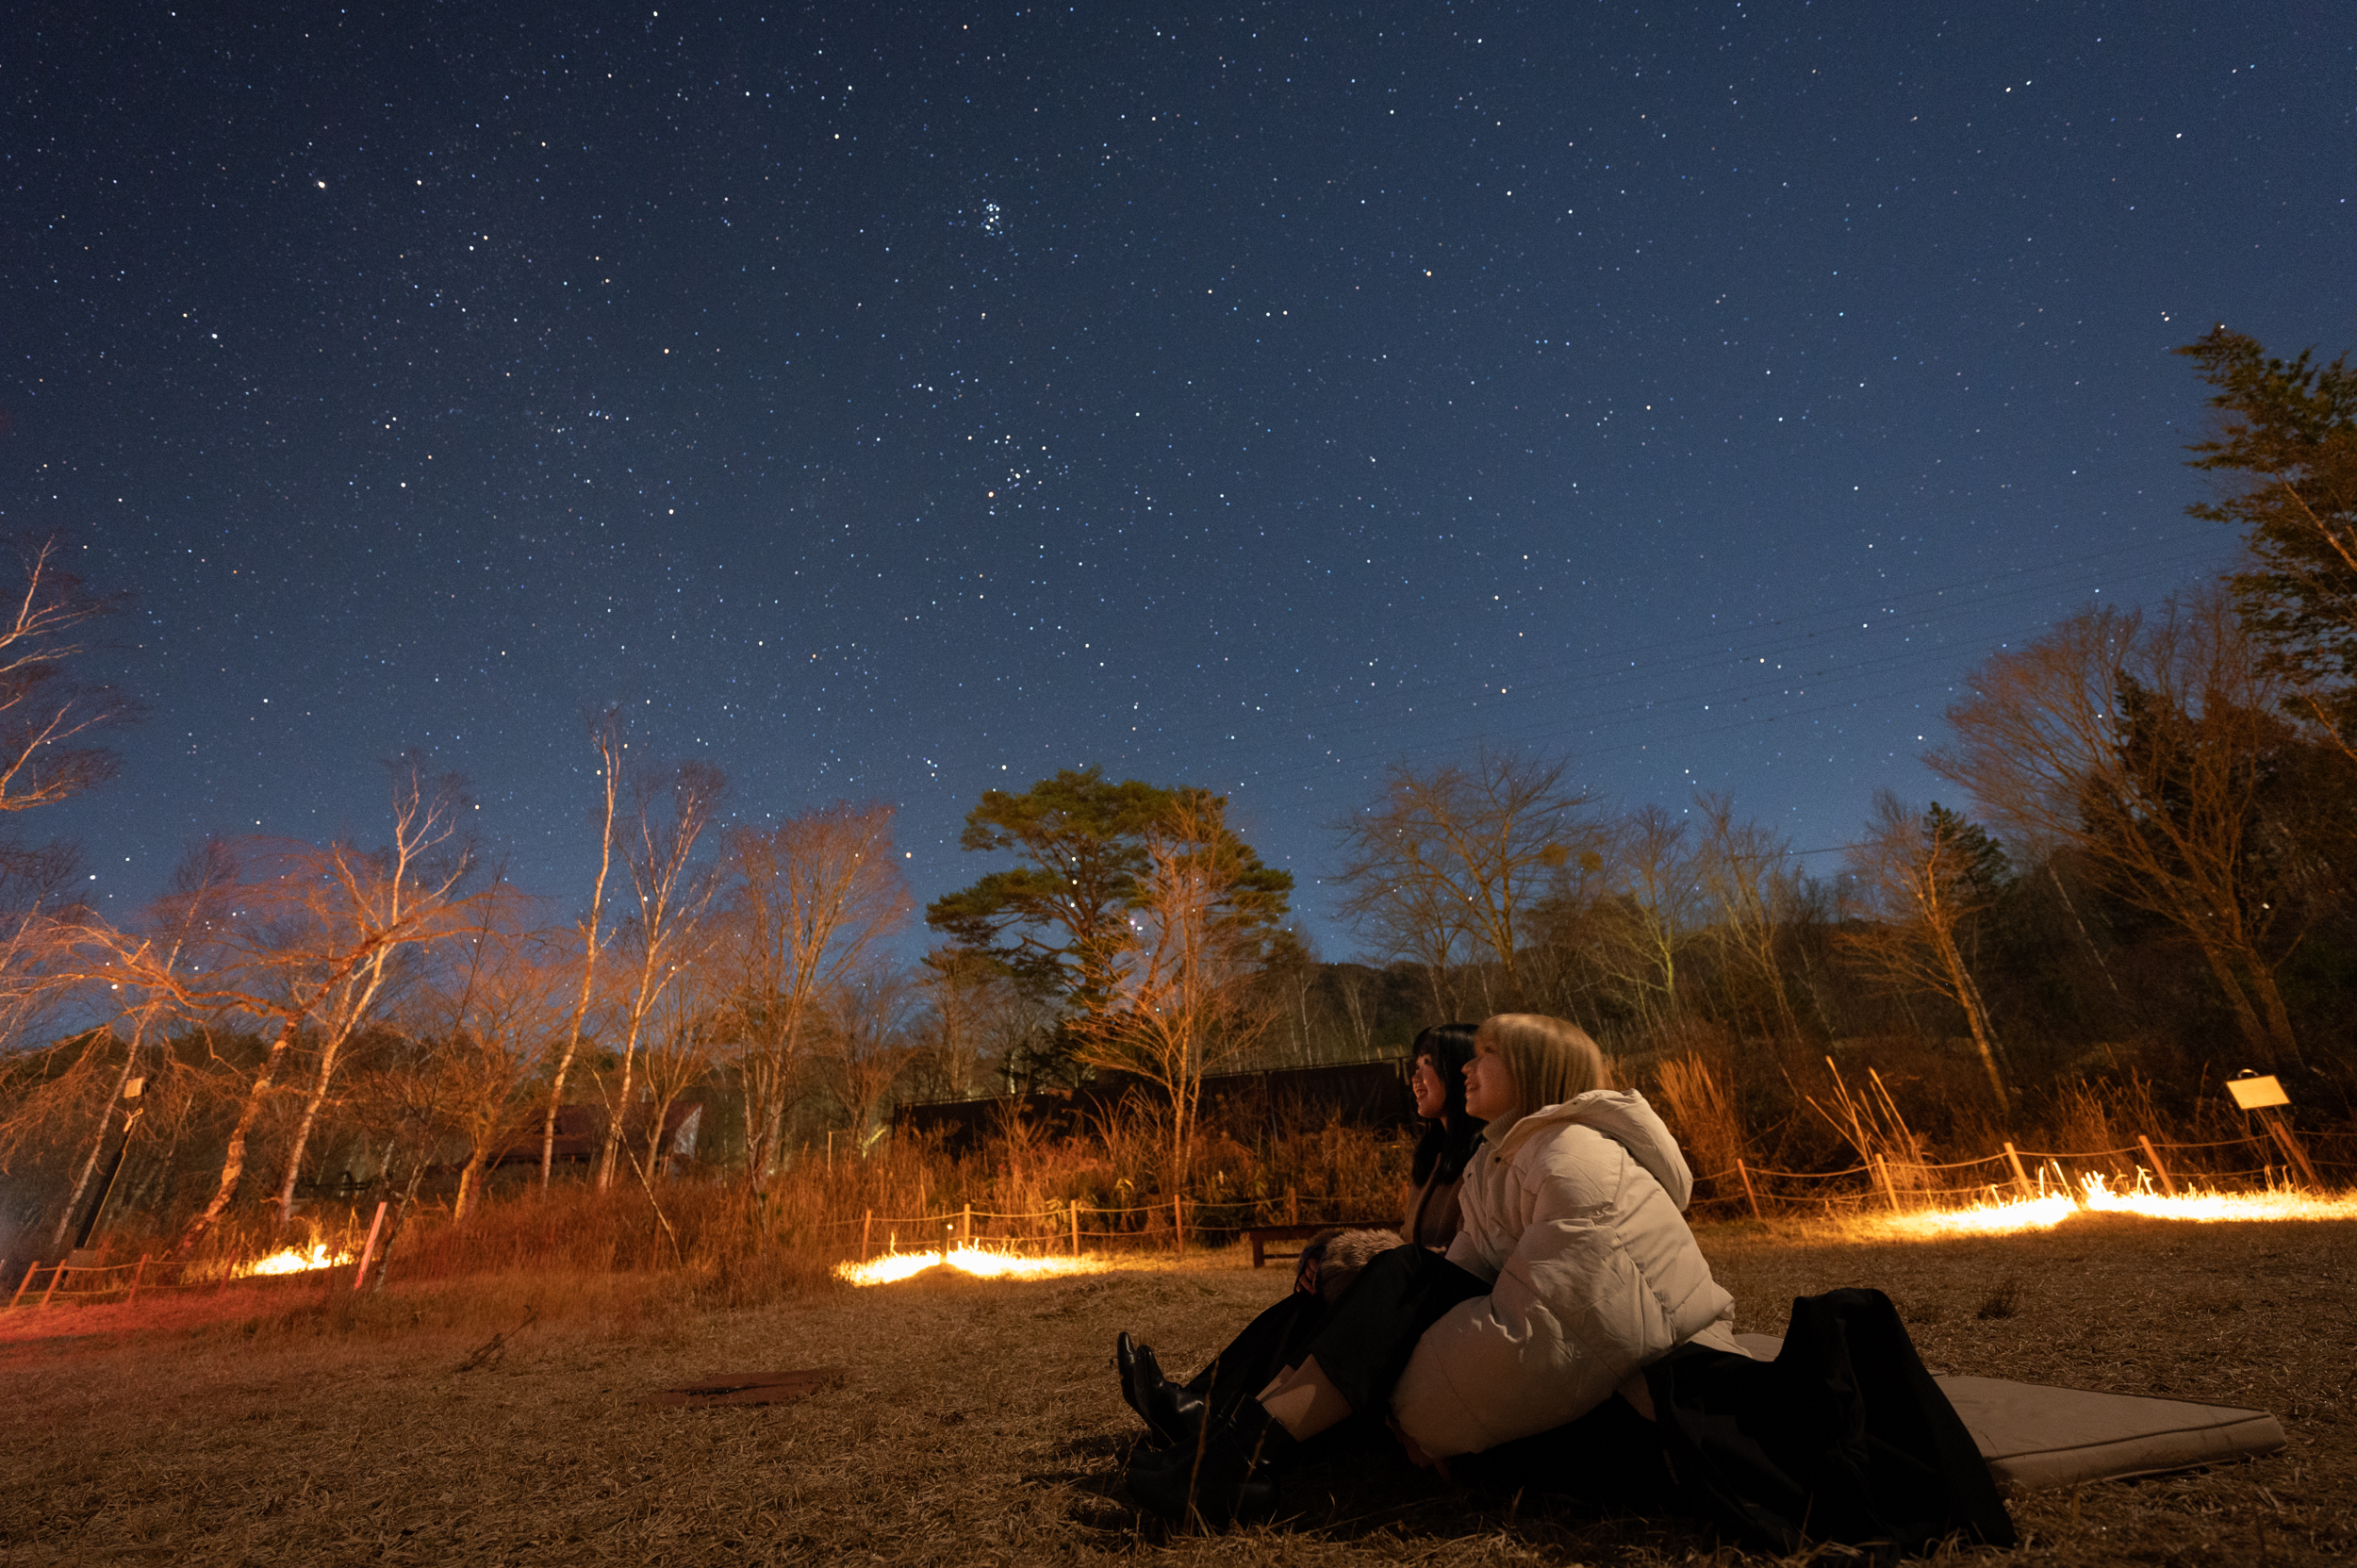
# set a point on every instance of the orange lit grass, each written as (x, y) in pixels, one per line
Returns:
(969, 1260)
(294, 1260)
(2004, 1216)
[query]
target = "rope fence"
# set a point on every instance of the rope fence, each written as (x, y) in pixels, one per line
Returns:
(90, 1284)
(1067, 1226)
(1073, 1226)
(1901, 1183)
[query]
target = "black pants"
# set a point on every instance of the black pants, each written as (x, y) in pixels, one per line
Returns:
(1361, 1342)
(1843, 1437)
(1611, 1457)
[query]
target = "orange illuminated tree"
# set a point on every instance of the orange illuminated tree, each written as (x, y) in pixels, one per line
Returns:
(810, 902)
(606, 735)
(667, 932)
(317, 936)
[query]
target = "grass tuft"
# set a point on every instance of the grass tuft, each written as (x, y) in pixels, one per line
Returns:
(2004, 1300)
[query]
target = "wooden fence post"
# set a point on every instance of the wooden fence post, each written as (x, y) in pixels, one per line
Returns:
(966, 1228)
(368, 1250)
(1076, 1227)
(136, 1275)
(2012, 1158)
(1179, 1221)
(866, 1223)
(2293, 1153)
(1891, 1189)
(1744, 1171)
(56, 1274)
(26, 1283)
(2158, 1169)
(1293, 1206)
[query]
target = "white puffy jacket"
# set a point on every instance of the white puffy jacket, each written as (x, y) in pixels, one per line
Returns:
(1575, 1217)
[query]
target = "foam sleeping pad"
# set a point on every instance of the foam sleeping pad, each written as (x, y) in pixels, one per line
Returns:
(2034, 1436)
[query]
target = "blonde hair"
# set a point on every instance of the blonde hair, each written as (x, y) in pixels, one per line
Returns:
(1548, 1060)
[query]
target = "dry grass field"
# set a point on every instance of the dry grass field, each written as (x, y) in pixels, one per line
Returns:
(979, 1423)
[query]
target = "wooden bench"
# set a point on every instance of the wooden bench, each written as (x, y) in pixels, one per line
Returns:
(1260, 1235)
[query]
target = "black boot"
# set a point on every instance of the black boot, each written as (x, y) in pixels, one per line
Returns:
(1172, 1412)
(1228, 1473)
(1125, 1367)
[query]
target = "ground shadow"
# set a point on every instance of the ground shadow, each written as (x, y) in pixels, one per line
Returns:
(1356, 1484)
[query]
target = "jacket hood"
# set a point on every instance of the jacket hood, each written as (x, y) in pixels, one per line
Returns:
(1622, 1115)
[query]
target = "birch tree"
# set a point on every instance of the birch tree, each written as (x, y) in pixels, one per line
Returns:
(810, 900)
(50, 719)
(314, 942)
(363, 913)
(496, 1014)
(145, 974)
(667, 930)
(606, 735)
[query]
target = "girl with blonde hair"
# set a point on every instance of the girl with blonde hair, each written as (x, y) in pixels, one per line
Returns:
(1572, 1339)
(1570, 1269)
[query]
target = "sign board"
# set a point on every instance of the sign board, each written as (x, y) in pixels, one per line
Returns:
(2256, 1094)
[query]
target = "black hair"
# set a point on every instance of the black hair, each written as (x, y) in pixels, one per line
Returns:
(1448, 1139)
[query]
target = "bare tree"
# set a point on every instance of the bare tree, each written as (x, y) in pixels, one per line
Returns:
(1446, 864)
(317, 937)
(47, 754)
(2147, 745)
(378, 909)
(1186, 998)
(405, 1090)
(497, 1012)
(1644, 927)
(812, 898)
(667, 930)
(1923, 877)
(970, 994)
(681, 1050)
(867, 1027)
(606, 735)
(1751, 886)
(143, 974)
(47, 716)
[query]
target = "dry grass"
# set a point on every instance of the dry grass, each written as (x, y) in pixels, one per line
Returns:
(981, 1422)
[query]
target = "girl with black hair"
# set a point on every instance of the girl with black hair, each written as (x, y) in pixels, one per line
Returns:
(1449, 1133)
(1275, 1341)
(1573, 1339)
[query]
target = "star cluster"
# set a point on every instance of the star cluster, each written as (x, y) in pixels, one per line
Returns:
(916, 400)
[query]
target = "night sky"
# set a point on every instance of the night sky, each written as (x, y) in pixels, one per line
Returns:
(900, 401)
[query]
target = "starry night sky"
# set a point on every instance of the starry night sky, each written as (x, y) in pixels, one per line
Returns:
(900, 401)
